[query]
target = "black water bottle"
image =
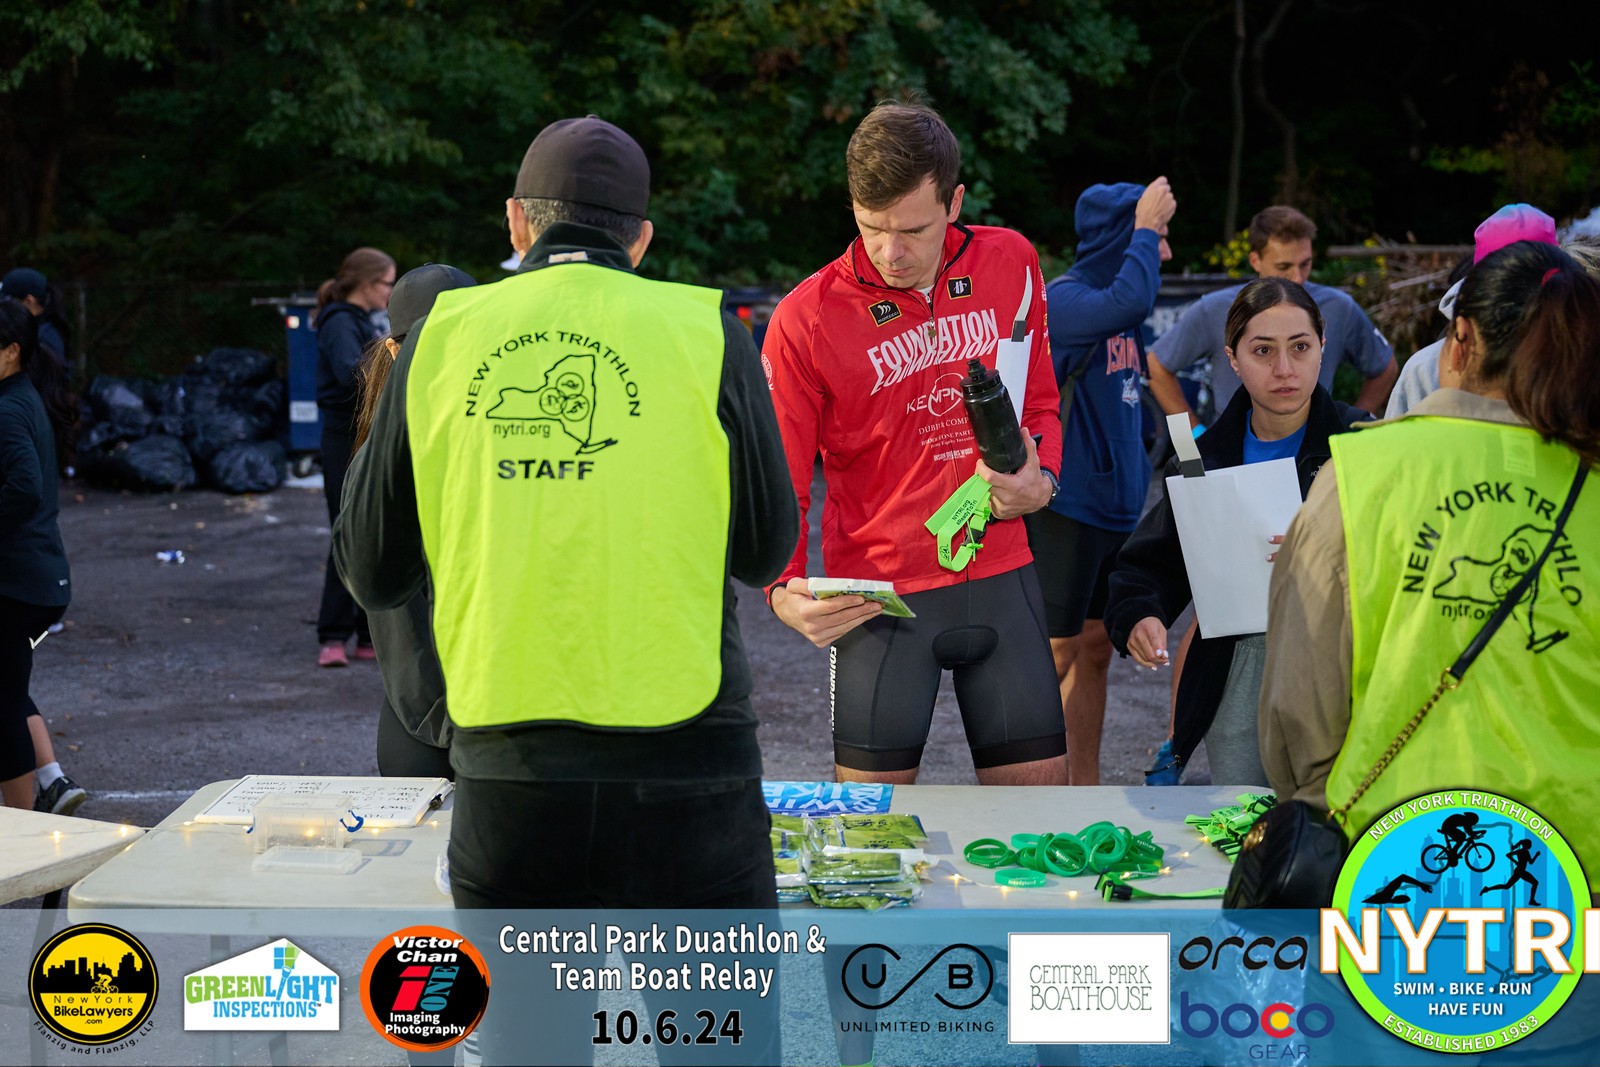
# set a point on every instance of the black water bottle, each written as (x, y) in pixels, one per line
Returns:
(994, 421)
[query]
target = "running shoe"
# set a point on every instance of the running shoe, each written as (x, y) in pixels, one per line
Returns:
(61, 798)
(365, 651)
(1166, 771)
(441, 871)
(333, 655)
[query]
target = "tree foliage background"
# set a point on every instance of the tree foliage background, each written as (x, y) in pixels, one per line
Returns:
(184, 141)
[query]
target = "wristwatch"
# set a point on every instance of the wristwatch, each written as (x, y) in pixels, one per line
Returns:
(1055, 483)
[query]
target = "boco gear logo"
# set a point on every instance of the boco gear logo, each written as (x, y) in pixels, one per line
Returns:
(93, 984)
(1461, 922)
(1278, 1020)
(961, 976)
(425, 988)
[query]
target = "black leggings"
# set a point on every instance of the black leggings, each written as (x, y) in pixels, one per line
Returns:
(21, 624)
(339, 616)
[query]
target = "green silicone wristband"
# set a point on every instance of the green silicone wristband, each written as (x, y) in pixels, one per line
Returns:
(1019, 879)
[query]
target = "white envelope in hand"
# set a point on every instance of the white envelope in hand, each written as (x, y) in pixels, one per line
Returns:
(1224, 520)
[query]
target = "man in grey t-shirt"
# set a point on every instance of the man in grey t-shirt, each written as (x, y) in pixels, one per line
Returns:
(1280, 247)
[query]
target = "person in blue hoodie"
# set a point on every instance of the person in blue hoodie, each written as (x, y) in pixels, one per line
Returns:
(1096, 310)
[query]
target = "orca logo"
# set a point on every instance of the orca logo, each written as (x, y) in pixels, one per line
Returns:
(1257, 954)
(884, 311)
(959, 287)
(968, 976)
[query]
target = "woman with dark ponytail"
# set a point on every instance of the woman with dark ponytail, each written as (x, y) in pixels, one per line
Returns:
(1274, 339)
(343, 319)
(35, 583)
(1414, 534)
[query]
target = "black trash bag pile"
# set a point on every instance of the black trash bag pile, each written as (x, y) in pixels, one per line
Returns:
(219, 422)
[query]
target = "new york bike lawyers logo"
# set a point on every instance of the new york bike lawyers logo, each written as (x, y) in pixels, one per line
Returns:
(425, 988)
(277, 987)
(1459, 922)
(93, 984)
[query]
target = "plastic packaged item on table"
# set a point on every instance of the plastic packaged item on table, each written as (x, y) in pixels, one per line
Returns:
(794, 824)
(854, 868)
(794, 895)
(788, 869)
(870, 897)
(790, 841)
(906, 826)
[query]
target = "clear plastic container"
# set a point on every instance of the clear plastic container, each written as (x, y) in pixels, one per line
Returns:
(300, 821)
(295, 859)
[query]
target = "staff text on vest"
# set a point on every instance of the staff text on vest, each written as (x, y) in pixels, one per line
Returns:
(544, 468)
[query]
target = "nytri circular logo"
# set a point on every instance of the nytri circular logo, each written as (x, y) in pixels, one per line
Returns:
(93, 984)
(1459, 921)
(425, 988)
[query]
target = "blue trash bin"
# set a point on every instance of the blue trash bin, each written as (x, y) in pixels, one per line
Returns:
(305, 419)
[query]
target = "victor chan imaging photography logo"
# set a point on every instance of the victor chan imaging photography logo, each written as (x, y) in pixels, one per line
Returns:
(425, 988)
(1090, 988)
(93, 984)
(278, 986)
(1461, 922)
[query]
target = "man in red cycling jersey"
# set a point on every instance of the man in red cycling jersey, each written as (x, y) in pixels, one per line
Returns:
(865, 360)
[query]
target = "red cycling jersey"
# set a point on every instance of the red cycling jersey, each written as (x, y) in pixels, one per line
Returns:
(870, 377)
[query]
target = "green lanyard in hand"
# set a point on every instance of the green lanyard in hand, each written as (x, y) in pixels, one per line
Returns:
(967, 509)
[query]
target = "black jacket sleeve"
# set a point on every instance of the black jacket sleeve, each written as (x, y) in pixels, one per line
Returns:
(764, 523)
(377, 539)
(1150, 577)
(21, 480)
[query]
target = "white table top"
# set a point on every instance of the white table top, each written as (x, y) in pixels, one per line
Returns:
(194, 865)
(41, 853)
(185, 864)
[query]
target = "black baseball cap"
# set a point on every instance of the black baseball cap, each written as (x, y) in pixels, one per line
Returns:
(415, 292)
(586, 161)
(24, 281)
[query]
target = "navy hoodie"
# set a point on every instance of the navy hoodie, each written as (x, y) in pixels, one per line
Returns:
(1096, 310)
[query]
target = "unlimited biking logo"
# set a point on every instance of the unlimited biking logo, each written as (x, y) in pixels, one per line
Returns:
(1461, 922)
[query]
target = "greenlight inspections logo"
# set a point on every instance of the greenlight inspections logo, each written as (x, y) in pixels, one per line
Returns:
(1460, 922)
(277, 986)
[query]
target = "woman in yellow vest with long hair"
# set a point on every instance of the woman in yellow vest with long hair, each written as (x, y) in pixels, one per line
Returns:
(1414, 534)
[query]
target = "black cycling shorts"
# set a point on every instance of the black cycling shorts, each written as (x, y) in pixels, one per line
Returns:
(884, 676)
(1075, 561)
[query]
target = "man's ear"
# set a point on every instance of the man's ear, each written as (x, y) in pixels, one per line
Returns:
(517, 224)
(1255, 262)
(642, 242)
(955, 204)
